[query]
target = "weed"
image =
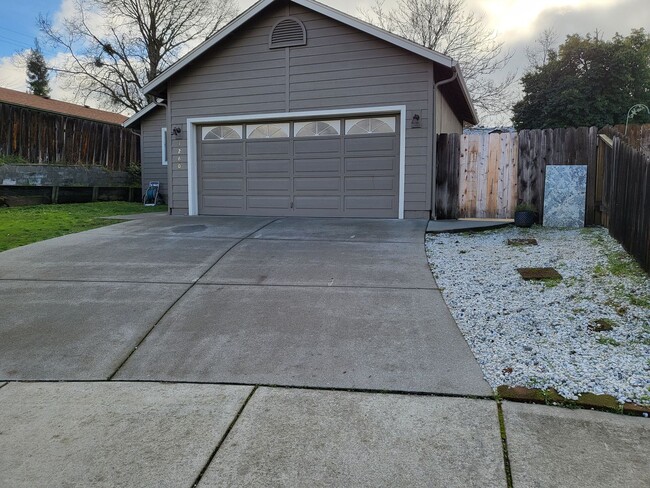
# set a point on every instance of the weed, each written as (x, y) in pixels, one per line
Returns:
(551, 282)
(607, 341)
(12, 159)
(599, 271)
(622, 264)
(602, 325)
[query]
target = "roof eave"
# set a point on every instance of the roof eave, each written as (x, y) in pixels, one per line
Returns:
(138, 115)
(468, 98)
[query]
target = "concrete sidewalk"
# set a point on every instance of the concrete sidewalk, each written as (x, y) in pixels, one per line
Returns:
(108, 434)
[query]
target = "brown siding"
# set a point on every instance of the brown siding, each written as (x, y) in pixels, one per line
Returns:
(339, 68)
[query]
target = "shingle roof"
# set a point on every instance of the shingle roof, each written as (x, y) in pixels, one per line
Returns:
(14, 97)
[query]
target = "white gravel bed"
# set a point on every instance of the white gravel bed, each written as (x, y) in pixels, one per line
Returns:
(540, 334)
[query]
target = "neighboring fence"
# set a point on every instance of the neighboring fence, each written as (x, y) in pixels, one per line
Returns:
(623, 191)
(46, 138)
(638, 135)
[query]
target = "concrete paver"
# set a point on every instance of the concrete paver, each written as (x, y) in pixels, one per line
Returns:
(110, 256)
(402, 340)
(323, 263)
(66, 330)
(111, 434)
(368, 230)
(287, 437)
(560, 447)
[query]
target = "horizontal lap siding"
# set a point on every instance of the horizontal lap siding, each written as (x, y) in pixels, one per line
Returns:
(339, 68)
(152, 167)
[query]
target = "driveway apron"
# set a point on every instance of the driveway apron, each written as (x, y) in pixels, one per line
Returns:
(325, 303)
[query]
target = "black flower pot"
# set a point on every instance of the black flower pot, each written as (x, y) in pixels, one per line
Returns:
(524, 218)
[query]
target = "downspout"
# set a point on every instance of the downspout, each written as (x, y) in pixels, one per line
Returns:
(434, 169)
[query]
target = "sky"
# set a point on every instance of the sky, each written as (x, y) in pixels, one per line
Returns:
(517, 22)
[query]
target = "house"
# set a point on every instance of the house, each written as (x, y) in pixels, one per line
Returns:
(45, 131)
(297, 109)
(46, 104)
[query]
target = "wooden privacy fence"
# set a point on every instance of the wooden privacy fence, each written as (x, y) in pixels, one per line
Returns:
(47, 138)
(485, 175)
(623, 195)
(498, 170)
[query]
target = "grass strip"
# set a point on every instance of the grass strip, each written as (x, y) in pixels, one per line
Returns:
(20, 226)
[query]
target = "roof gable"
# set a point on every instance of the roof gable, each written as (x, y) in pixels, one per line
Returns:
(445, 62)
(35, 102)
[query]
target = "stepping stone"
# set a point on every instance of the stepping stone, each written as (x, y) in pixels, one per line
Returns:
(539, 274)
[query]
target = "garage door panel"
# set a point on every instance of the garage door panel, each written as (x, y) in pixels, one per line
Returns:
(222, 149)
(269, 184)
(268, 202)
(228, 184)
(222, 167)
(317, 202)
(316, 184)
(316, 146)
(370, 164)
(342, 175)
(265, 148)
(224, 201)
(353, 183)
(317, 165)
(372, 143)
(368, 202)
(269, 166)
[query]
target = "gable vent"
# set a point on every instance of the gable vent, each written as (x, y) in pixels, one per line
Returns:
(288, 32)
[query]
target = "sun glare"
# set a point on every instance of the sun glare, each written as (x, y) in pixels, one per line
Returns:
(518, 16)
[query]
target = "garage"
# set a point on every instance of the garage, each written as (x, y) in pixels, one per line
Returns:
(296, 109)
(333, 167)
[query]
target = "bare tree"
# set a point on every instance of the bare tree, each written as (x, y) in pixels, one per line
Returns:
(447, 27)
(114, 47)
(538, 53)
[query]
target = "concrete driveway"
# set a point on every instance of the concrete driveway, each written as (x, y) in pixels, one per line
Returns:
(229, 345)
(326, 303)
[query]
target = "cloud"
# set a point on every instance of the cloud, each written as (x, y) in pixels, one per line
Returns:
(12, 75)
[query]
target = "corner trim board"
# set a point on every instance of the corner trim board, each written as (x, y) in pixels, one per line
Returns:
(194, 123)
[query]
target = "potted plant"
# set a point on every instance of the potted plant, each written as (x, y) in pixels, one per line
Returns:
(525, 214)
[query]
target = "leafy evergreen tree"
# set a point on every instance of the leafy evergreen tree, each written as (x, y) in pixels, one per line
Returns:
(37, 75)
(588, 81)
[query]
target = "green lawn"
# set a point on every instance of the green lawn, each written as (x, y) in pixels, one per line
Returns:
(24, 225)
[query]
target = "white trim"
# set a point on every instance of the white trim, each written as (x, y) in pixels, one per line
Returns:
(193, 123)
(163, 146)
(138, 115)
(309, 4)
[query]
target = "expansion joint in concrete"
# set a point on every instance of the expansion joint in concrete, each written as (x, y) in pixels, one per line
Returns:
(181, 297)
(504, 445)
(224, 437)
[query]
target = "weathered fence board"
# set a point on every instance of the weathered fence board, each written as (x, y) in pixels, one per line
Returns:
(46, 138)
(447, 176)
(488, 179)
